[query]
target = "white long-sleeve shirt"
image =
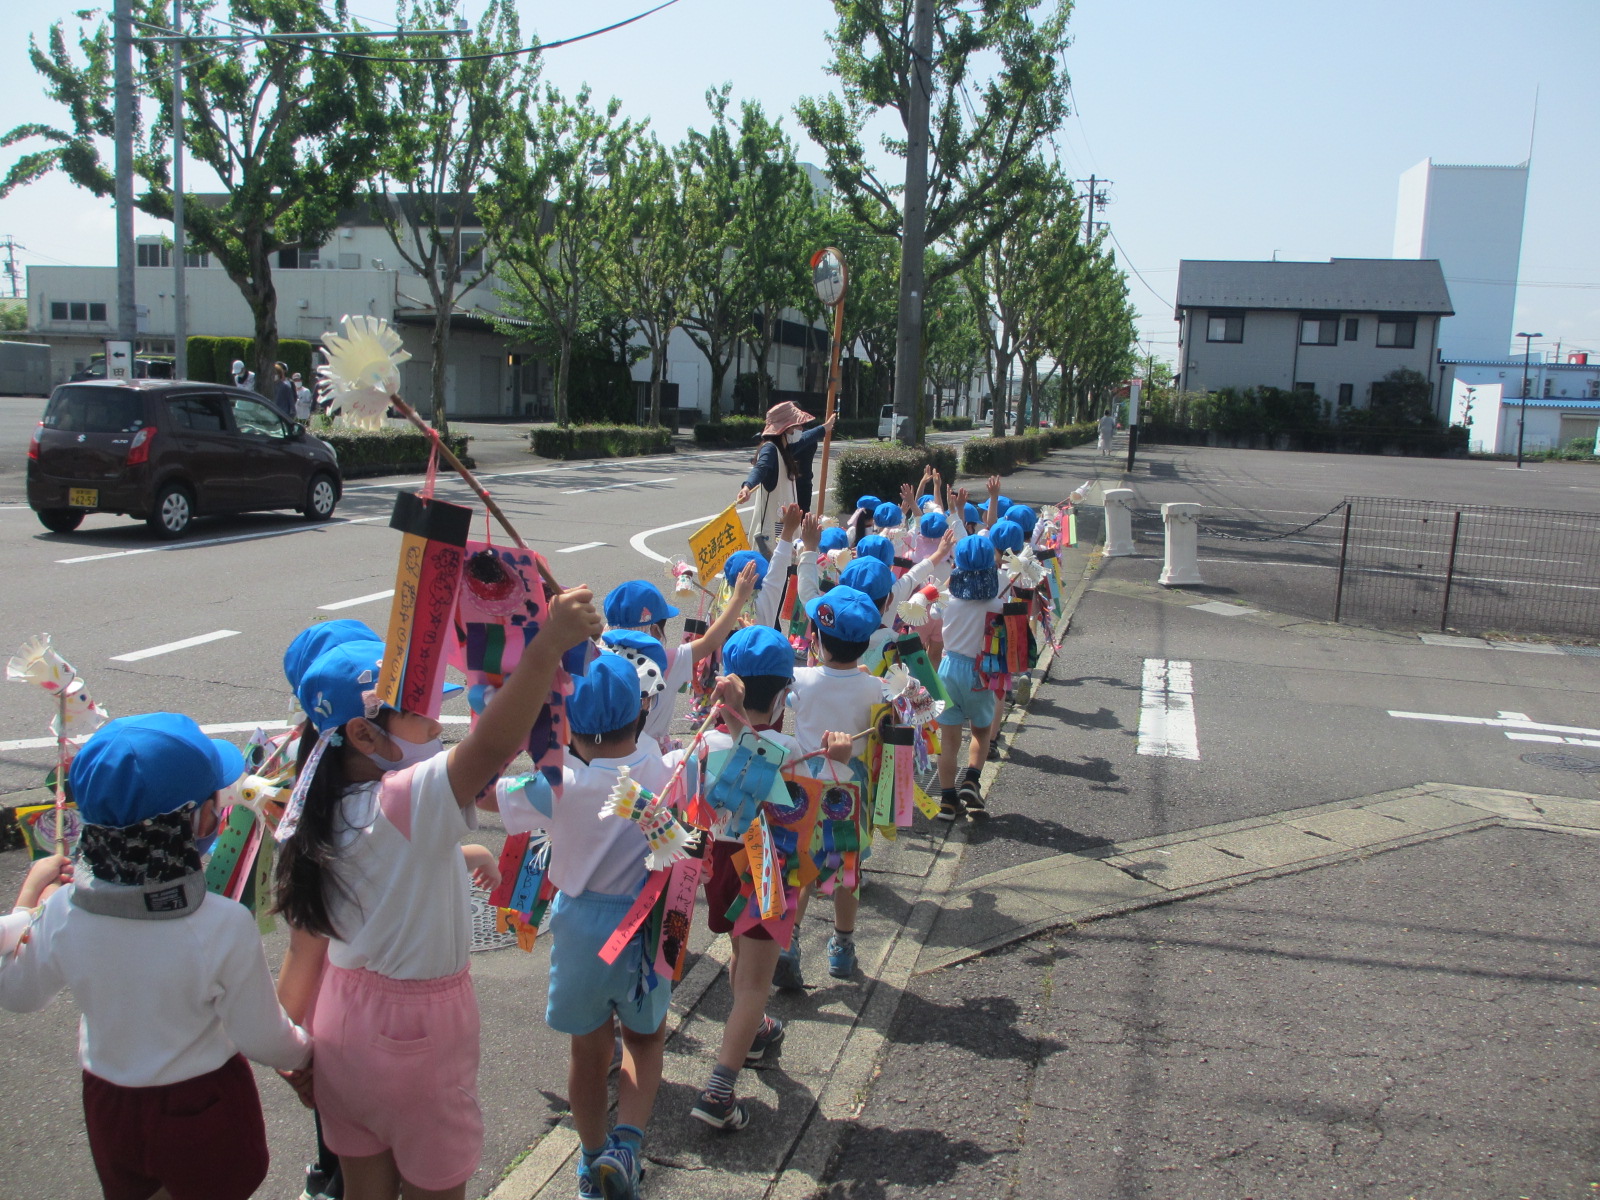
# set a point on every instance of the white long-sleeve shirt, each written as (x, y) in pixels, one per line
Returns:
(162, 1001)
(770, 598)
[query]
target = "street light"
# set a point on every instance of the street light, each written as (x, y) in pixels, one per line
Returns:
(1522, 419)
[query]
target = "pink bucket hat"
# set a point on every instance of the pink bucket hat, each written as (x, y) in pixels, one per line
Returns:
(784, 416)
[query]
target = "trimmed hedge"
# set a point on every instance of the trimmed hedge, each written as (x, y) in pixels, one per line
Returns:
(952, 424)
(210, 357)
(1003, 455)
(730, 431)
(1068, 436)
(880, 470)
(600, 441)
(383, 451)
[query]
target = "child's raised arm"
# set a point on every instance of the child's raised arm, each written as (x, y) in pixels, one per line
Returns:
(503, 728)
(743, 588)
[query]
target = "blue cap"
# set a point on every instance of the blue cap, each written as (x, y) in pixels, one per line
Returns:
(310, 642)
(758, 650)
(335, 687)
(1007, 535)
(605, 697)
(833, 538)
(975, 552)
(845, 613)
(875, 545)
(870, 576)
(735, 565)
(1022, 515)
(971, 513)
(868, 502)
(636, 603)
(933, 524)
(135, 768)
(924, 503)
(637, 642)
(1001, 504)
(888, 516)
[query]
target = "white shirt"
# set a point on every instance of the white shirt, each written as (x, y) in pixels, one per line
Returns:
(588, 852)
(770, 598)
(680, 669)
(964, 620)
(832, 700)
(162, 1001)
(302, 403)
(405, 907)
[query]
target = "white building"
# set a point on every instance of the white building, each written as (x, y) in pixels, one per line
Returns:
(1332, 328)
(1563, 403)
(1470, 219)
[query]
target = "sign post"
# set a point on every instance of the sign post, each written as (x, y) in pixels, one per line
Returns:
(831, 278)
(718, 540)
(119, 359)
(1133, 420)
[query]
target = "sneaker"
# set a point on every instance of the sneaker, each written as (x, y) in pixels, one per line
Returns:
(949, 810)
(768, 1038)
(995, 747)
(841, 957)
(320, 1184)
(786, 976)
(727, 1115)
(617, 1171)
(972, 799)
(588, 1186)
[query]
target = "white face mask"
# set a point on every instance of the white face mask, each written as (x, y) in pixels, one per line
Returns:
(411, 753)
(791, 436)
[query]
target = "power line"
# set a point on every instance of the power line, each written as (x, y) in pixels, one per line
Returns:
(1135, 270)
(10, 245)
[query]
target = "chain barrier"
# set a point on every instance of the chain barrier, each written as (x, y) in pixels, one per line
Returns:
(1275, 537)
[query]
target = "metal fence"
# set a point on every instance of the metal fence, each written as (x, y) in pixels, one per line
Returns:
(1469, 568)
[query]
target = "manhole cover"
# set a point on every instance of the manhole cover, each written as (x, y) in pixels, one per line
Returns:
(1562, 762)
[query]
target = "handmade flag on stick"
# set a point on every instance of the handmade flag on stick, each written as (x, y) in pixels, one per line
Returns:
(741, 777)
(77, 716)
(429, 575)
(669, 841)
(525, 889)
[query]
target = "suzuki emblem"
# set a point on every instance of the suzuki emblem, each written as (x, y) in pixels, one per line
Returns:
(83, 437)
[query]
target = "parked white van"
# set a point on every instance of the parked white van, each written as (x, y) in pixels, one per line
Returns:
(886, 422)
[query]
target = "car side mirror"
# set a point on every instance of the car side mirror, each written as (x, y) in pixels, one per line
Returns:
(296, 432)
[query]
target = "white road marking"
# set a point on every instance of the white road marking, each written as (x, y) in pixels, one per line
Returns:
(169, 647)
(356, 601)
(638, 540)
(1166, 710)
(1223, 609)
(1498, 723)
(1550, 737)
(575, 549)
(611, 486)
(243, 537)
(226, 727)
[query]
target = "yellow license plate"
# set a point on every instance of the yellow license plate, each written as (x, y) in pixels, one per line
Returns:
(83, 497)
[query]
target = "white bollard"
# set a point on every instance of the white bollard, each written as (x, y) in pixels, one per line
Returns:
(1182, 562)
(1119, 522)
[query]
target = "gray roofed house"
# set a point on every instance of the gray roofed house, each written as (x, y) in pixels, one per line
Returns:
(1332, 328)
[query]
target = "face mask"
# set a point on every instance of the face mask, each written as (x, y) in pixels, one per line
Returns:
(411, 753)
(792, 436)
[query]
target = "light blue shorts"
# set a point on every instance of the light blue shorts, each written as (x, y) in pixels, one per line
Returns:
(970, 702)
(584, 989)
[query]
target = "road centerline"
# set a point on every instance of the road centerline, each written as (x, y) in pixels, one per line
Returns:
(368, 599)
(168, 647)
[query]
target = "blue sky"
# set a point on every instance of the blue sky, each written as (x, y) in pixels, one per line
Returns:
(1229, 129)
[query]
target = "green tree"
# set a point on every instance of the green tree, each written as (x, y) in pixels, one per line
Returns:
(290, 129)
(13, 316)
(716, 283)
(547, 212)
(451, 111)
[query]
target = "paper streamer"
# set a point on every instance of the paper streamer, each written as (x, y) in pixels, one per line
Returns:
(426, 582)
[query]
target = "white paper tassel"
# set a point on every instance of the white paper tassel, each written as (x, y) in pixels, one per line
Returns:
(363, 369)
(1026, 570)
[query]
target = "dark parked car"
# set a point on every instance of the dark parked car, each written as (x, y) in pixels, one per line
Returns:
(167, 452)
(143, 368)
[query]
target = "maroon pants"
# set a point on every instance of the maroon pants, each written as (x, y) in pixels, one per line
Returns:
(201, 1138)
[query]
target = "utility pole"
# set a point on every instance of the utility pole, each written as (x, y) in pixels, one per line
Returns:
(180, 301)
(10, 245)
(1096, 199)
(122, 62)
(908, 334)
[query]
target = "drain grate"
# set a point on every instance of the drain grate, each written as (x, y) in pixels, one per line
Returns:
(1562, 762)
(1590, 651)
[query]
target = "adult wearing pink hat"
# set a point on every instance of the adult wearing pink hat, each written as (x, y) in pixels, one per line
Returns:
(780, 473)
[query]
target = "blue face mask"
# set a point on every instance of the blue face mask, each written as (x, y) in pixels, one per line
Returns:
(411, 753)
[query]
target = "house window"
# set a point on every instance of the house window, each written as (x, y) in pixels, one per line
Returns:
(472, 251)
(152, 254)
(58, 310)
(1224, 326)
(1347, 394)
(1309, 389)
(97, 312)
(1352, 328)
(1397, 332)
(349, 262)
(79, 310)
(1594, 389)
(298, 260)
(1319, 331)
(196, 258)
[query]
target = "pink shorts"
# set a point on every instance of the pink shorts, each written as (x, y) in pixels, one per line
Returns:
(395, 1067)
(932, 633)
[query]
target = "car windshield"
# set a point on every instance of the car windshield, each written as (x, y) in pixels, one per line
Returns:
(95, 410)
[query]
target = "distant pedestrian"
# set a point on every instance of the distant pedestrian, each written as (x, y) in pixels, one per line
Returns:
(1108, 430)
(241, 377)
(285, 396)
(303, 399)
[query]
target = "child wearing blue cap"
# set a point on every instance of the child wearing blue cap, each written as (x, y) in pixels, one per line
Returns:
(760, 670)
(171, 980)
(598, 864)
(835, 698)
(638, 606)
(859, 523)
(976, 585)
(371, 880)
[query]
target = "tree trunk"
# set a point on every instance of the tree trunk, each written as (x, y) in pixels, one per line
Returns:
(563, 369)
(1000, 397)
(719, 373)
(263, 299)
(441, 349)
(658, 368)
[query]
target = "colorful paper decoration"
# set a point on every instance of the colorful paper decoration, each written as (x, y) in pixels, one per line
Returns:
(678, 899)
(363, 370)
(525, 889)
(426, 583)
(48, 829)
(669, 841)
(77, 716)
(741, 777)
(910, 651)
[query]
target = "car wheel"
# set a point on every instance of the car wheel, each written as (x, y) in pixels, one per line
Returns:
(321, 496)
(60, 520)
(174, 509)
